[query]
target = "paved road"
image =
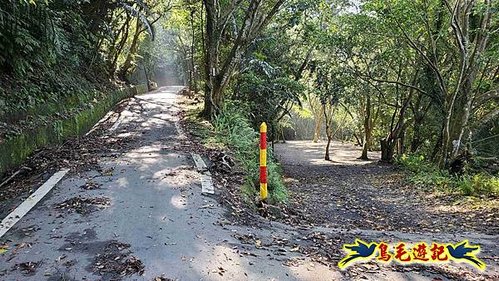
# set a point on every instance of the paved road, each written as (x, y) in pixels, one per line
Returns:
(151, 210)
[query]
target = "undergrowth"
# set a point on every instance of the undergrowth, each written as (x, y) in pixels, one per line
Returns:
(425, 174)
(233, 128)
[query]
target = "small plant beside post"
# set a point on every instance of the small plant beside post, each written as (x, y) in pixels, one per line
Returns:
(263, 162)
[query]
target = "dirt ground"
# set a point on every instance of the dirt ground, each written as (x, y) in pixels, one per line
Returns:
(351, 193)
(334, 202)
(373, 201)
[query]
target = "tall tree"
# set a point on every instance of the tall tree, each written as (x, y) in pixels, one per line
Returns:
(238, 22)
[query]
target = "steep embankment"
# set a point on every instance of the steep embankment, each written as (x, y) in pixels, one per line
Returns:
(51, 122)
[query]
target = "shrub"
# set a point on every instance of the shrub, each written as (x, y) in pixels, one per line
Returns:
(425, 174)
(479, 184)
(413, 162)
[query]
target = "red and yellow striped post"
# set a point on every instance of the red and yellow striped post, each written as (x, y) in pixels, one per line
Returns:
(263, 161)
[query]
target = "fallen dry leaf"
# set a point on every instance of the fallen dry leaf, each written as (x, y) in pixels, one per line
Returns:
(4, 249)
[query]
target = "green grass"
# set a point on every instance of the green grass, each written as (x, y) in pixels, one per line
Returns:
(426, 175)
(479, 184)
(234, 129)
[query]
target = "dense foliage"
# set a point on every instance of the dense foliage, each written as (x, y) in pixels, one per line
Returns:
(404, 77)
(62, 53)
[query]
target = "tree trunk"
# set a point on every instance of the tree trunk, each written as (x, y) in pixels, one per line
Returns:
(367, 130)
(416, 137)
(387, 150)
(364, 155)
(133, 49)
(193, 85)
(208, 108)
(219, 66)
(465, 116)
(318, 127)
(329, 131)
(366, 146)
(401, 143)
(210, 58)
(438, 146)
(326, 157)
(116, 50)
(147, 79)
(360, 142)
(471, 43)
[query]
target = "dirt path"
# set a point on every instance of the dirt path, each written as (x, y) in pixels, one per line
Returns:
(351, 193)
(371, 200)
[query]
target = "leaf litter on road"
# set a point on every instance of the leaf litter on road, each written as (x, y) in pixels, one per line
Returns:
(117, 261)
(83, 205)
(27, 268)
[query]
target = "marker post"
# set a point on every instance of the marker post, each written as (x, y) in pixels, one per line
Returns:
(263, 162)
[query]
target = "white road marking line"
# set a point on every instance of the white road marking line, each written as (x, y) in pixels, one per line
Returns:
(206, 180)
(207, 184)
(116, 124)
(30, 202)
(107, 116)
(199, 161)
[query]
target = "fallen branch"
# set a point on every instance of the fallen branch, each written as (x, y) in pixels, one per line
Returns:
(13, 175)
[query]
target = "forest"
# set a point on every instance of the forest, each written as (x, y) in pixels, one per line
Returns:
(416, 80)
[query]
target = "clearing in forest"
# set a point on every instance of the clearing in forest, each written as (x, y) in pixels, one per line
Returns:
(348, 197)
(352, 193)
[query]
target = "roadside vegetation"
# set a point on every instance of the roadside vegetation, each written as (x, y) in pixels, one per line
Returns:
(65, 64)
(232, 131)
(65, 54)
(426, 175)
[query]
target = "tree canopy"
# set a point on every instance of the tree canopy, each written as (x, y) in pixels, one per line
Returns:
(418, 77)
